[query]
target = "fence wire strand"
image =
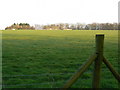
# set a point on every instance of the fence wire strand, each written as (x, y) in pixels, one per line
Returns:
(47, 74)
(53, 83)
(5, 85)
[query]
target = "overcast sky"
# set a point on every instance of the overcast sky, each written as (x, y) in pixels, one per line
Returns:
(57, 11)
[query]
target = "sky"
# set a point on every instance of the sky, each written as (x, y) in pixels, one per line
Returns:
(57, 11)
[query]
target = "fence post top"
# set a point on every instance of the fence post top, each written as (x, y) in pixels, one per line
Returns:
(99, 34)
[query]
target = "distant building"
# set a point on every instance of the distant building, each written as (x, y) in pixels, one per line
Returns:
(38, 27)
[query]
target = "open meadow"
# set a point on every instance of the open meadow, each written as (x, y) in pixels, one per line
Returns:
(48, 58)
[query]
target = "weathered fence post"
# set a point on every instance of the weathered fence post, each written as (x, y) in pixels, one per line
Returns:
(98, 61)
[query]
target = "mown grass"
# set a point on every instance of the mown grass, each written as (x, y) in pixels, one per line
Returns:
(49, 51)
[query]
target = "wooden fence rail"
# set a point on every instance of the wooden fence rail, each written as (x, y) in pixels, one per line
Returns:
(98, 58)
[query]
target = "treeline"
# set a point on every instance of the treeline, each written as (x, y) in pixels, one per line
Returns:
(20, 26)
(79, 26)
(65, 26)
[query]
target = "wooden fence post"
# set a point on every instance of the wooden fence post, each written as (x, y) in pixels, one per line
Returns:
(115, 73)
(98, 61)
(80, 71)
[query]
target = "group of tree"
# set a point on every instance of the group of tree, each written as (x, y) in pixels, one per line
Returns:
(20, 26)
(79, 26)
(66, 26)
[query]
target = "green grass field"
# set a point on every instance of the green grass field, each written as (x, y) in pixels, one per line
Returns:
(35, 59)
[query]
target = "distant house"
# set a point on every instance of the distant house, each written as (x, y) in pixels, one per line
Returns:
(67, 29)
(21, 26)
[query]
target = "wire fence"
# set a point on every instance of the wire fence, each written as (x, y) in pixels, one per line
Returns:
(7, 86)
(52, 82)
(47, 74)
